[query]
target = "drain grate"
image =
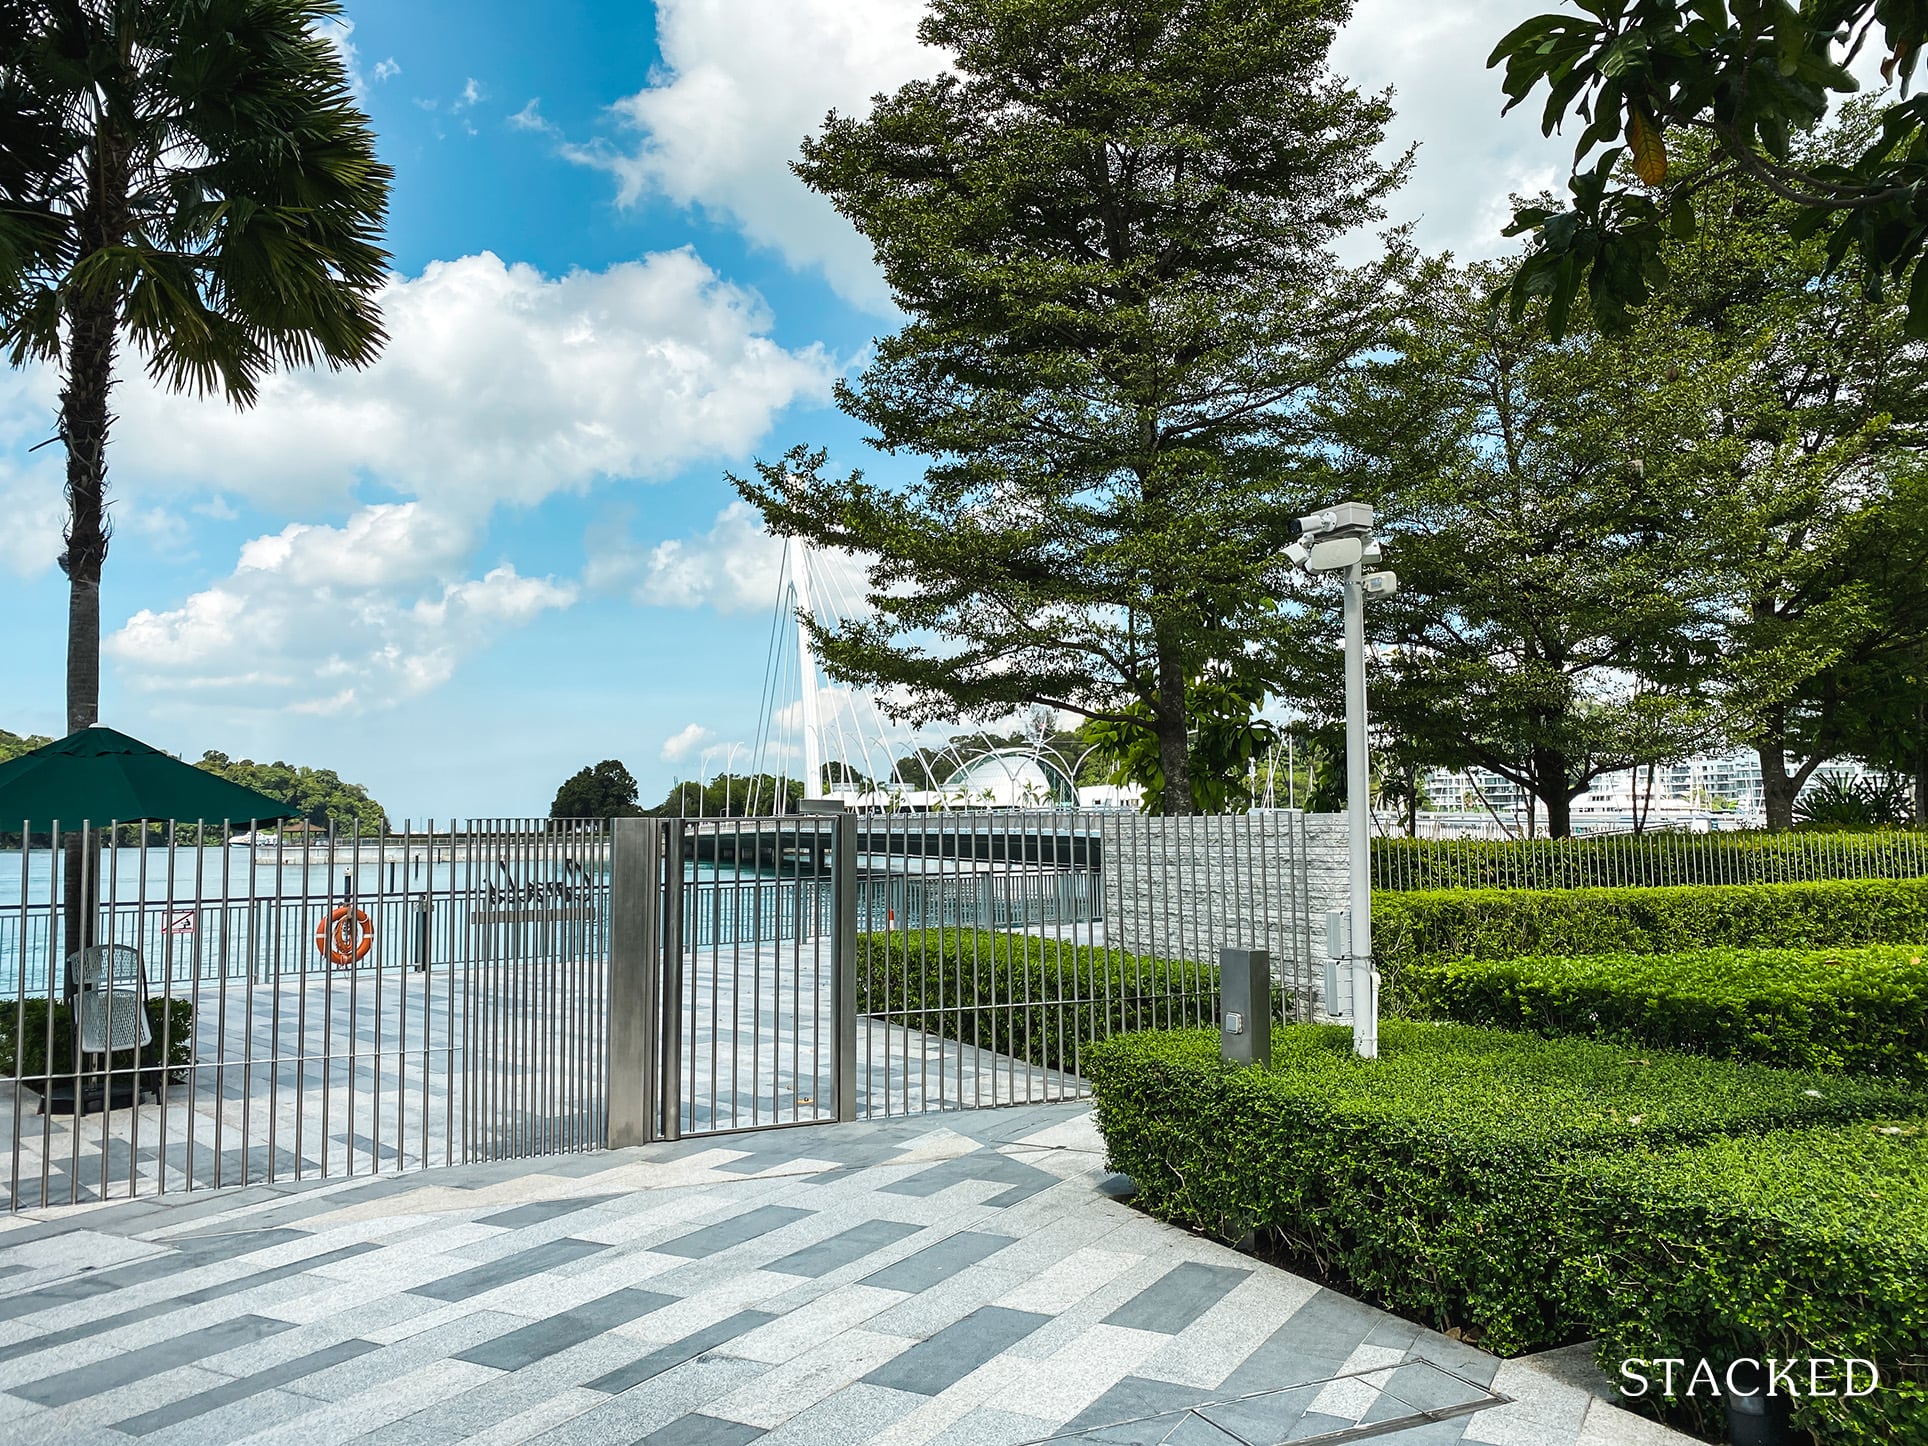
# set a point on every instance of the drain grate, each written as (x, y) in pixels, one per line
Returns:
(1354, 1406)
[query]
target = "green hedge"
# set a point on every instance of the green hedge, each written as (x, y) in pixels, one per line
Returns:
(1421, 1179)
(1795, 1244)
(1036, 999)
(1649, 860)
(24, 1035)
(1857, 1009)
(1424, 927)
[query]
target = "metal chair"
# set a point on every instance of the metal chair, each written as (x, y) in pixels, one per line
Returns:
(107, 991)
(109, 994)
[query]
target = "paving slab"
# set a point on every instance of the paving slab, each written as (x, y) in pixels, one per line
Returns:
(972, 1277)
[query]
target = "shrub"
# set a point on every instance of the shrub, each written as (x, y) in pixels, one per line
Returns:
(1421, 1180)
(1792, 1244)
(1649, 860)
(24, 1036)
(1859, 1009)
(1037, 999)
(1424, 927)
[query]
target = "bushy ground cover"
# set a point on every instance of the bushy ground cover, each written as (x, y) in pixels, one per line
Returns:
(1037, 999)
(1844, 1009)
(1793, 1245)
(25, 1032)
(1423, 1180)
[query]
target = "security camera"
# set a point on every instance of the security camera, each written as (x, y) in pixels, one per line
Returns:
(1334, 554)
(1344, 518)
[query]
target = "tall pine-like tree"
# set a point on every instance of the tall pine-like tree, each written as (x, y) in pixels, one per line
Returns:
(1110, 227)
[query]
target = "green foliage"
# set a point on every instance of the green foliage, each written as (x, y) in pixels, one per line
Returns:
(1542, 593)
(1650, 860)
(738, 795)
(1426, 928)
(1855, 1009)
(1423, 1180)
(1837, 802)
(1753, 77)
(12, 745)
(606, 791)
(1227, 738)
(1103, 366)
(324, 800)
(24, 1036)
(1035, 999)
(1790, 1244)
(203, 173)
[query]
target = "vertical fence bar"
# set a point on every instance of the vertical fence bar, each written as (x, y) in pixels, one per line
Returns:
(843, 981)
(672, 1011)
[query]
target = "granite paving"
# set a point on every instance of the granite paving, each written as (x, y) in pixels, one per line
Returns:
(974, 1278)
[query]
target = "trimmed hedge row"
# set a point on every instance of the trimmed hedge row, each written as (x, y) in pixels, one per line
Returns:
(1651, 860)
(1855, 1009)
(1036, 999)
(1422, 1179)
(1424, 927)
(1792, 1245)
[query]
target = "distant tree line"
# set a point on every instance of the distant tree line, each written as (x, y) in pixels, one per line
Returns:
(319, 793)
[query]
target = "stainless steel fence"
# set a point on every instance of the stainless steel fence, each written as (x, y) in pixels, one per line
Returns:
(1649, 860)
(327, 1006)
(985, 950)
(504, 988)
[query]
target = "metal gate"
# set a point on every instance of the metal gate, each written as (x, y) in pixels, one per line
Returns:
(831, 966)
(235, 1009)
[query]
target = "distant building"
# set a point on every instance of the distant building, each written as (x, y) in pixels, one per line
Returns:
(1706, 792)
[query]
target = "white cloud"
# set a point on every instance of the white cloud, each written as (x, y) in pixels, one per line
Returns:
(30, 501)
(531, 118)
(333, 619)
(741, 83)
(32, 512)
(498, 385)
(679, 745)
(337, 32)
(1470, 158)
(734, 567)
(472, 91)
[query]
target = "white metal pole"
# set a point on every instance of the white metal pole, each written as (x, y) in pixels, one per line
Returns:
(1365, 994)
(807, 669)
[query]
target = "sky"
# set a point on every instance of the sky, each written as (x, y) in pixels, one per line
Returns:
(509, 548)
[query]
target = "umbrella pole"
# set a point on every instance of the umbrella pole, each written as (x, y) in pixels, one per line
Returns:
(80, 894)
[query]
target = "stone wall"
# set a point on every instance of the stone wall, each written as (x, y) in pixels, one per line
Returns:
(1186, 887)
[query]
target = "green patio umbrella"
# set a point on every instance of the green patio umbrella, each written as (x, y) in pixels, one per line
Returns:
(98, 776)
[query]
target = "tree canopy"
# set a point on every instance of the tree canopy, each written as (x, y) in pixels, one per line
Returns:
(1616, 548)
(607, 790)
(321, 795)
(12, 745)
(1109, 226)
(1747, 79)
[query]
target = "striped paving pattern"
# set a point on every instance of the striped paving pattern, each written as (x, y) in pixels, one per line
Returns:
(971, 1278)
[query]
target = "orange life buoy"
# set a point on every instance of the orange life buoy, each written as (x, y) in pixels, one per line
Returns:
(345, 936)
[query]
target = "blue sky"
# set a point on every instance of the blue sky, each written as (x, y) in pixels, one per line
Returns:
(509, 548)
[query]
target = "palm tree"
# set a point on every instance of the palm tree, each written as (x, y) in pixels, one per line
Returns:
(195, 176)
